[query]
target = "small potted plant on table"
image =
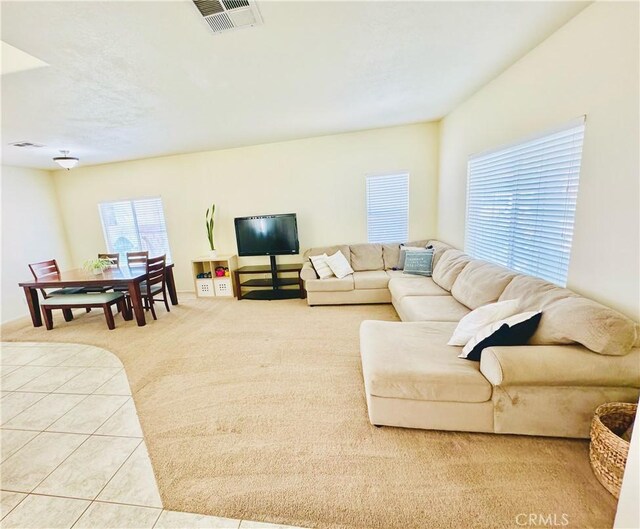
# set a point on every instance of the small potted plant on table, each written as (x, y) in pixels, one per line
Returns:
(96, 266)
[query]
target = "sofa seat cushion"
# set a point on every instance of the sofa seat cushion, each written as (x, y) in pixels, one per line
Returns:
(413, 361)
(450, 264)
(366, 257)
(432, 308)
(402, 285)
(333, 284)
(480, 283)
(371, 279)
(398, 273)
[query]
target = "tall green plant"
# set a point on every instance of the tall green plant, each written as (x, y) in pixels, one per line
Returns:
(210, 223)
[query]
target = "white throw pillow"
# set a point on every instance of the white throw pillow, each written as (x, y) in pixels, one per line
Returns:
(469, 326)
(339, 265)
(490, 329)
(321, 266)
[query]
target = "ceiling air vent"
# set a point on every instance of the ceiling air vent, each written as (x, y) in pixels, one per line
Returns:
(226, 15)
(26, 145)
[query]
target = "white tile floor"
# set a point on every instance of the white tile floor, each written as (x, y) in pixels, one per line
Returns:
(73, 454)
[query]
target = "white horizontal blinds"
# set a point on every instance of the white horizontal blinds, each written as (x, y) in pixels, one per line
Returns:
(119, 227)
(388, 208)
(135, 225)
(521, 203)
(152, 229)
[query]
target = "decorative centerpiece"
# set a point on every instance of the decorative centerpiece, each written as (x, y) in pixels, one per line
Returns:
(96, 266)
(210, 225)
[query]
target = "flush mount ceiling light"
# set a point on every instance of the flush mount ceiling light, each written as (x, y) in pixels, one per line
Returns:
(65, 161)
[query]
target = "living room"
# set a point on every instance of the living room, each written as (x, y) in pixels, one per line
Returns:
(256, 410)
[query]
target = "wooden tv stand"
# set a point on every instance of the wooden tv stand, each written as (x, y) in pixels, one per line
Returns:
(270, 288)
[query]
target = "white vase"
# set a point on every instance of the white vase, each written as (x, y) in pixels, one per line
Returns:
(213, 253)
(97, 271)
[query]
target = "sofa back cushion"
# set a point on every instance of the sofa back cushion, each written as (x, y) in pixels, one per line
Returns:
(421, 243)
(534, 293)
(569, 318)
(366, 257)
(480, 283)
(329, 250)
(577, 319)
(448, 267)
(391, 251)
(390, 255)
(439, 248)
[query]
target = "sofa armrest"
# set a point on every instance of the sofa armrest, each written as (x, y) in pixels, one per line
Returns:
(559, 365)
(308, 272)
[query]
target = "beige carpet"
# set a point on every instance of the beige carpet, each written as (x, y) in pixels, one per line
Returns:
(256, 410)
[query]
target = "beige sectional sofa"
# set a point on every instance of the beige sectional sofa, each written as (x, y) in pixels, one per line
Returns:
(583, 354)
(372, 265)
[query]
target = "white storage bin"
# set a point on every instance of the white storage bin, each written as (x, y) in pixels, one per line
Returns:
(222, 286)
(205, 288)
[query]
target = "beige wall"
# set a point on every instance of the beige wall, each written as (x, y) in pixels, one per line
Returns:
(589, 66)
(31, 230)
(321, 179)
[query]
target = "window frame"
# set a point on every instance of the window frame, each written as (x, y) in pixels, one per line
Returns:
(387, 174)
(561, 271)
(131, 201)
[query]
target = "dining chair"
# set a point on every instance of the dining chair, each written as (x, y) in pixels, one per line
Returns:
(45, 268)
(114, 258)
(155, 284)
(134, 259)
(137, 258)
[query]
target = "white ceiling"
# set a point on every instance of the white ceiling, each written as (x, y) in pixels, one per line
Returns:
(131, 80)
(14, 60)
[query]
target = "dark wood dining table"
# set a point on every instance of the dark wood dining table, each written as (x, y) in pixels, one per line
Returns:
(123, 276)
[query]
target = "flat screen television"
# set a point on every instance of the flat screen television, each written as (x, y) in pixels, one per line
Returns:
(267, 235)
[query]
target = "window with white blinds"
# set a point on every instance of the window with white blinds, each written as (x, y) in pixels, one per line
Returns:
(388, 207)
(134, 226)
(521, 203)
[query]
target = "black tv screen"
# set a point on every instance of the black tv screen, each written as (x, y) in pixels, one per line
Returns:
(267, 235)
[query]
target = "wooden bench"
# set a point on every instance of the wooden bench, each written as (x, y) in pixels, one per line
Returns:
(86, 301)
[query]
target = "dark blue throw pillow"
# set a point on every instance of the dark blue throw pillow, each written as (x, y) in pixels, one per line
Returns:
(517, 334)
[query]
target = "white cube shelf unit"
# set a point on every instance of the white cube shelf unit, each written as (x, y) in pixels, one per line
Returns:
(222, 287)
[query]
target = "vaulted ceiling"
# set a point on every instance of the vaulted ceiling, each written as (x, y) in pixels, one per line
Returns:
(128, 80)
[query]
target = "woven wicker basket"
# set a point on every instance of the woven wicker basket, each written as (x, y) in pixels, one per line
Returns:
(608, 451)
